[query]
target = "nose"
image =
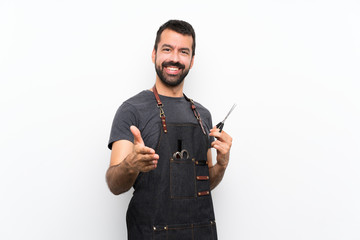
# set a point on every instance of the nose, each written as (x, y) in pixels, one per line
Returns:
(174, 56)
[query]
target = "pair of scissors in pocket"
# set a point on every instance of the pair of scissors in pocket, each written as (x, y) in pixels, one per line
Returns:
(183, 154)
(220, 125)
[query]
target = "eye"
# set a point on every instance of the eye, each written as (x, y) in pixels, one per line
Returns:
(166, 49)
(185, 52)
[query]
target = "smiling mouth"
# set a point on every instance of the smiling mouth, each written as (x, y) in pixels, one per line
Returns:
(172, 70)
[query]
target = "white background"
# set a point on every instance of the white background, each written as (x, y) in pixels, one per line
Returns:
(291, 66)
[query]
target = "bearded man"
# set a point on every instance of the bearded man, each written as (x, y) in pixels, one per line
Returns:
(161, 144)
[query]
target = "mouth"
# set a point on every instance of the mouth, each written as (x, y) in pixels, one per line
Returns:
(172, 70)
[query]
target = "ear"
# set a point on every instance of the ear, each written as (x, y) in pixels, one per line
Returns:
(192, 61)
(153, 55)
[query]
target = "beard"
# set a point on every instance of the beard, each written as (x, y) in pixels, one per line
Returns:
(169, 79)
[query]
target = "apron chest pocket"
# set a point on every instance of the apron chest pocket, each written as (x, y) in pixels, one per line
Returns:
(182, 178)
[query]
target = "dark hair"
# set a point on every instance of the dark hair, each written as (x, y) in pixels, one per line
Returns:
(178, 26)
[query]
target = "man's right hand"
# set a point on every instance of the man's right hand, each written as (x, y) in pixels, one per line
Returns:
(142, 158)
(127, 160)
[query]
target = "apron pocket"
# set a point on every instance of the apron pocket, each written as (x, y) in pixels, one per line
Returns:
(197, 231)
(205, 231)
(182, 178)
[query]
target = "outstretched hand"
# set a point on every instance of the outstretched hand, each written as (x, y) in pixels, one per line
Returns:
(142, 158)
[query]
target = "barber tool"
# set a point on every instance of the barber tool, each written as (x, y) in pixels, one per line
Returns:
(220, 125)
(183, 154)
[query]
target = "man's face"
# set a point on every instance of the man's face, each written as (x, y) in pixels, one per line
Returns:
(173, 58)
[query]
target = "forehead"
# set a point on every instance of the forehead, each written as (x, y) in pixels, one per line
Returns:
(175, 39)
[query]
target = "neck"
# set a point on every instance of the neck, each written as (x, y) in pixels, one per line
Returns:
(176, 91)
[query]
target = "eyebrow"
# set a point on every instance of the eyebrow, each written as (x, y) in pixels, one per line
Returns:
(168, 45)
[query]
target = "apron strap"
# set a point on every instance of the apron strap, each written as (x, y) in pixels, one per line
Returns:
(162, 113)
(196, 113)
(160, 106)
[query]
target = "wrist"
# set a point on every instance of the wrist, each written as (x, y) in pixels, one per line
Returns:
(222, 165)
(128, 166)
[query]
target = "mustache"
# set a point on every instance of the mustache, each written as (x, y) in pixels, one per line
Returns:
(171, 63)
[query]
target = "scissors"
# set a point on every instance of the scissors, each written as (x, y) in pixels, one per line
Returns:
(184, 153)
(220, 125)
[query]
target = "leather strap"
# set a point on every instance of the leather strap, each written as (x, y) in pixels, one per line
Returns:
(196, 113)
(204, 193)
(201, 162)
(162, 113)
(160, 106)
(202, 178)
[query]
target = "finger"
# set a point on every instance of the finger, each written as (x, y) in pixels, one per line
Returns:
(214, 129)
(215, 132)
(148, 157)
(137, 135)
(221, 147)
(143, 150)
(141, 157)
(225, 145)
(216, 145)
(222, 136)
(149, 168)
(146, 166)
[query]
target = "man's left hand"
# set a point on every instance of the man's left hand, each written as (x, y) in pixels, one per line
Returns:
(222, 144)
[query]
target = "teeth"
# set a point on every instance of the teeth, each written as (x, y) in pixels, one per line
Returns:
(173, 68)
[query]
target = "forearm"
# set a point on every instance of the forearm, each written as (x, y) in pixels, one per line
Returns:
(120, 178)
(216, 173)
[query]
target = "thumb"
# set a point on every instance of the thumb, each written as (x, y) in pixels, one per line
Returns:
(137, 135)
